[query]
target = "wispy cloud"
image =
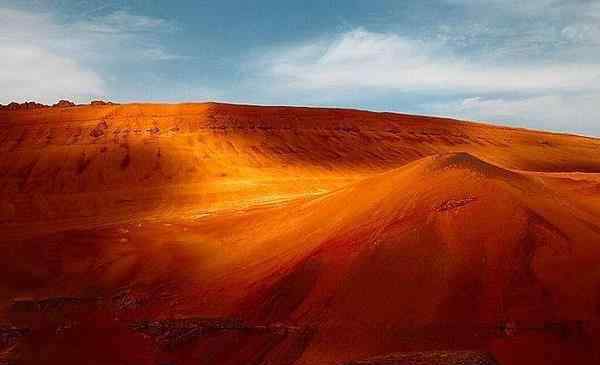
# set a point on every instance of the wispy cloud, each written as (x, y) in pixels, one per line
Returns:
(122, 22)
(363, 59)
(535, 8)
(582, 33)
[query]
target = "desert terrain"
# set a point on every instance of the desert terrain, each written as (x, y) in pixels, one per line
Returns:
(231, 234)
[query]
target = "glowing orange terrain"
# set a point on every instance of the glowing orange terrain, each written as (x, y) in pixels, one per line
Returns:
(222, 234)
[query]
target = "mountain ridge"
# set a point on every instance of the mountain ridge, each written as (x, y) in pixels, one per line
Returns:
(212, 233)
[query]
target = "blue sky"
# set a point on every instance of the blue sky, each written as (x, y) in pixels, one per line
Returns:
(529, 63)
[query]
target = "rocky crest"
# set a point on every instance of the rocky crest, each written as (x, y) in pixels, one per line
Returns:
(101, 102)
(63, 104)
(28, 105)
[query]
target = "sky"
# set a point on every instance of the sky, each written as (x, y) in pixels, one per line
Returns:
(533, 64)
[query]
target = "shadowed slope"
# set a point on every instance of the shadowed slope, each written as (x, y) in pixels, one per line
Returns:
(448, 252)
(476, 246)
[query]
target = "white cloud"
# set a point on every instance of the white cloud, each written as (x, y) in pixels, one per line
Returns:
(575, 113)
(582, 33)
(159, 54)
(34, 73)
(30, 70)
(363, 59)
(44, 59)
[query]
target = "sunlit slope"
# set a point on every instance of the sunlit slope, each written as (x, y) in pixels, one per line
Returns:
(447, 252)
(433, 253)
(102, 163)
(473, 231)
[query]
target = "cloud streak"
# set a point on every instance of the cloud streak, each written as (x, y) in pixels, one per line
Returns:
(363, 59)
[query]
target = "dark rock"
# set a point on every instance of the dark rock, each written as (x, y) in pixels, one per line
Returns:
(126, 299)
(454, 204)
(431, 358)
(49, 304)
(9, 335)
(63, 104)
(98, 131)
(23, 106)
(170, 333)
(102, 102)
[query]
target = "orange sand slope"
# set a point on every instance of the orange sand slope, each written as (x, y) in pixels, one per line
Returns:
(103, 162)
(222, 234)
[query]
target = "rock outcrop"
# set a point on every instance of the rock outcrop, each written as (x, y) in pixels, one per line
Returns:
(24, 305)
(63, 104)
(10, 334)
(28, 105)
(98, 131)
(101, 102)
(172, 332)
(431, 358)
(23, 106)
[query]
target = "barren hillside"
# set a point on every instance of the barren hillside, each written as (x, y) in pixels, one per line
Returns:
(226, 234)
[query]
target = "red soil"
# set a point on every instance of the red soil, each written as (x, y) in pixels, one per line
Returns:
(292, 236)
